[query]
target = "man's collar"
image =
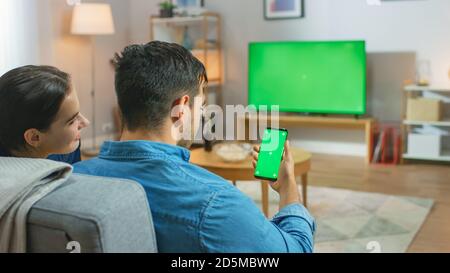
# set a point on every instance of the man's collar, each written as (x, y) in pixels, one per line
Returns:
(141, 149)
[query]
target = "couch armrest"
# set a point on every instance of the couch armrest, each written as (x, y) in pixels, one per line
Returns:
(101, 214)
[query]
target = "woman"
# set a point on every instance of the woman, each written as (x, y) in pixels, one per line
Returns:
(40, 115)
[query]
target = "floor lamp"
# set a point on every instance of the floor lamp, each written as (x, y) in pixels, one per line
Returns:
(91, 20)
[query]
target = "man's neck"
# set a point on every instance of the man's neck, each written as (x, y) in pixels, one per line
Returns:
(146, 135)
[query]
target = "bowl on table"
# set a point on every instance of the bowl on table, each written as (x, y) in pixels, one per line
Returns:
(233, 152)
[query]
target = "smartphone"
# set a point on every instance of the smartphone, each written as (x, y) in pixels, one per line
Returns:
(271, 154)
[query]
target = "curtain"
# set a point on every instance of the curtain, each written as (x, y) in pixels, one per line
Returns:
(19, 43)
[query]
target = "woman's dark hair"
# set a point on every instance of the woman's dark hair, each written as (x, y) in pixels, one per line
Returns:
(150, 77)
(30, 97)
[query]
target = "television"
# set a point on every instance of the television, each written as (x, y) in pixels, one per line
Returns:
(327, 77)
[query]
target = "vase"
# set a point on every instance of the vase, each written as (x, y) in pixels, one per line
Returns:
(166, 13)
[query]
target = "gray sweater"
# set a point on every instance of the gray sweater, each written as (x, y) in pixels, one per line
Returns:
(23, 182)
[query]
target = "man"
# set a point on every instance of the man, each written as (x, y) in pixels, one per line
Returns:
(193, 209)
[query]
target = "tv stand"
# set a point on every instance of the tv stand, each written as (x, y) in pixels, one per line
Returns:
(346, 123)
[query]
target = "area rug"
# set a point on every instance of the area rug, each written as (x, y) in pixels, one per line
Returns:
(357, 222)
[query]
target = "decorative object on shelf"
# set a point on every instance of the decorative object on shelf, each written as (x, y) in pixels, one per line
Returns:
(190, 7)
(187, 41)
(209, 44)
(284, 9)
(423, 73)
(425, 145)
(92, 20)
(166, 9)
(424, 109)
(233, 152)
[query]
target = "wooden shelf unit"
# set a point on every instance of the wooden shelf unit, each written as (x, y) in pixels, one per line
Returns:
(407, 125)
(365, 124)
(445, 156)
(415, 88)
(444, 123)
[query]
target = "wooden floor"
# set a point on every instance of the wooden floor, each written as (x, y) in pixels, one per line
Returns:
(413, 179)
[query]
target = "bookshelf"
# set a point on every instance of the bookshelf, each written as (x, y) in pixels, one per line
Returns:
(441, 128)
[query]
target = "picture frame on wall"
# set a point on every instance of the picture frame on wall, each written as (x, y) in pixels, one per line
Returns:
(189, 7)
(283, 9)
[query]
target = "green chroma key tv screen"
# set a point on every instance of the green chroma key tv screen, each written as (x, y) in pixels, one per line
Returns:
(309, 77)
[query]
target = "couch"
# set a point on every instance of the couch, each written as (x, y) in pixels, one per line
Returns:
(90, 214)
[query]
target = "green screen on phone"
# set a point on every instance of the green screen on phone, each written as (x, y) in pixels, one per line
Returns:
(270, 154)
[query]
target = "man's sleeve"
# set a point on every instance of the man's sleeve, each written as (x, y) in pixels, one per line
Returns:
(231, 222)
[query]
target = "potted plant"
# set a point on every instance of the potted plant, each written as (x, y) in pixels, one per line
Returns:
(166, 9)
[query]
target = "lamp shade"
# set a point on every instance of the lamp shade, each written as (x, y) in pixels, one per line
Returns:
(92, 19)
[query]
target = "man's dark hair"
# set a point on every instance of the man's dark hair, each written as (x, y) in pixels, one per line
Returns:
(30, 97)
(150, 77)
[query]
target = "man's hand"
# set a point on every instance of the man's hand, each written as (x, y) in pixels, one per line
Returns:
(286, 185)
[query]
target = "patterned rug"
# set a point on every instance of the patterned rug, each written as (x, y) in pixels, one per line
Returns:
(361, 222)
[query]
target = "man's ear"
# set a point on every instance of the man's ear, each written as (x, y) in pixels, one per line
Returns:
(33, 137)
(179, 106)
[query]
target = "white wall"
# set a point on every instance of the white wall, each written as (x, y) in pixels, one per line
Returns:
(420, 26)
(140, 12)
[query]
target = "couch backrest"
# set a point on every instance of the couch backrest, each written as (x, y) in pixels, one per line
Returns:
(92, 215)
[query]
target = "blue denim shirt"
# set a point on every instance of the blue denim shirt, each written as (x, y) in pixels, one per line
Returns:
(195, 210)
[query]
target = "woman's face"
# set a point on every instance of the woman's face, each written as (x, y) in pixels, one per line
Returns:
(63, 136)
